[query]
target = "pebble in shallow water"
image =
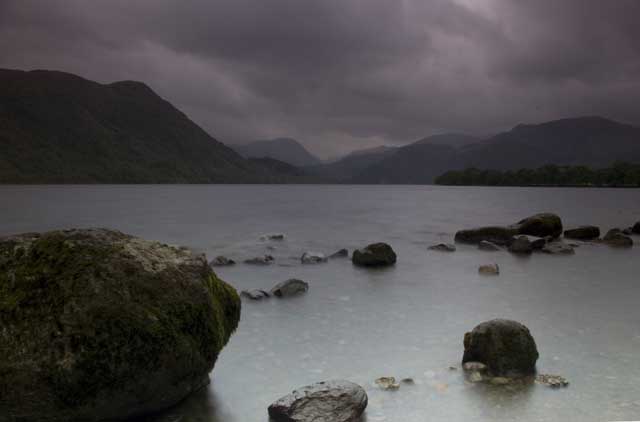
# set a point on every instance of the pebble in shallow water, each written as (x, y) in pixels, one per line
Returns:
(553, 381)
(387, 383)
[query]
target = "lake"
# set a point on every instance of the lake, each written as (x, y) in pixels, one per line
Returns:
(405, 321)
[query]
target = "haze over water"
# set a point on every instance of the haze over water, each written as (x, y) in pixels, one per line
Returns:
(406, 321)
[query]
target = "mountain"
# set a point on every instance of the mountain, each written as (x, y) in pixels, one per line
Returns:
(282, 149)
(56, 127)
(456, 140)
(344, 169)
(589, 141)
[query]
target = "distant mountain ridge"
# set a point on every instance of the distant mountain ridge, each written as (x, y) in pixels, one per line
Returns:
(60, 128)
(283, 149)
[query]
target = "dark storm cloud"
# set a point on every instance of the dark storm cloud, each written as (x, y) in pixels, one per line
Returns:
(344, 74)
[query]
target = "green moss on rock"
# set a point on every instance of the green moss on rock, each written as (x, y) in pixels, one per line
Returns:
(98, 325)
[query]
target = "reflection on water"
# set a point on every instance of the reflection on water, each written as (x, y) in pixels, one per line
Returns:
(406, 321)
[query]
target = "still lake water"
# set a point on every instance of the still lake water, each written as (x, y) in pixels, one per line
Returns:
(406, 321)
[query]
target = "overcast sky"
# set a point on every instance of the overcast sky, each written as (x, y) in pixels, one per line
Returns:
(340, 75)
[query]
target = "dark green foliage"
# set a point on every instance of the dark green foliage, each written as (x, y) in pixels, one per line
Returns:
(619, 175)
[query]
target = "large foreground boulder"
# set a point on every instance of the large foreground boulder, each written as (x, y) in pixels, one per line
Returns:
(374, 255)
(583, 233)
(505, 346)
(99, 325)
(540, 225)
(329, 401)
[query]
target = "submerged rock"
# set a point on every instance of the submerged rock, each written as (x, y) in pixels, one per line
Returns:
(222, 261)
(505, 346)
(291, 287)
(260, 260)
(489, 269)
(93, 325)
(374, 255)
(616, 238)
(342, 253)
(521, 245)
(443, 247)
(313, 258)
(583, 233)
(502, 236)
(558, 247)
(485, 245)
(255, 294)
(553, 381)
(329, 401)
(540, 225)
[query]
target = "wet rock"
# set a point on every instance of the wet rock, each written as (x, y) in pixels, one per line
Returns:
(498, 235)
(329, 401)
(636, 228)
(313, 258)
(255, 294)
(474, 366)
(505, 346)
(408, 381)
(272, 236)
(475, 376)
(628, 231)
(540, 225)
(342, 253)
(583, 233)
(374, 255)
(616, 238)
(291, 287)
(558, 247)
(222, 261)
(260, 260)
(91, 325)
(553, 381)
(443, 247)
(489, 269)
(500, 380)
(485, 245)
(521, 245)
(387, 383)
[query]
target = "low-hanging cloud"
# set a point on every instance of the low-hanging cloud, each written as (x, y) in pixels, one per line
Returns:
(345, 74)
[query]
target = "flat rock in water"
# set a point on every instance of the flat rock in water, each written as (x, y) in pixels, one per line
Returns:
(313, 258)
(260, 260)
(387, 383)
(374, 255)
(553, 381)
(291, 287)
(254, 294)
(221, 261)
(489, 269)
(328, 401)
(342, 253)
(498, 235)
(443, 247)
(616, 238)
(272, 236)
(485, 245)
(558, 247)
(583, 233)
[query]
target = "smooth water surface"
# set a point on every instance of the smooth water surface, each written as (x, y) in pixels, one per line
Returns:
(406, 321)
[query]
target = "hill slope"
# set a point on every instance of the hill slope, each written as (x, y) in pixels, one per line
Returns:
(56, 127)
(282, 149)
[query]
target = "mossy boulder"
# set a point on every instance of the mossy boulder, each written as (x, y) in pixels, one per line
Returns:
(374, 255)
(99, 325)
(540, 225)
(506, 347)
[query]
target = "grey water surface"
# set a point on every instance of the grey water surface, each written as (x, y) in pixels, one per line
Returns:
(405, 321)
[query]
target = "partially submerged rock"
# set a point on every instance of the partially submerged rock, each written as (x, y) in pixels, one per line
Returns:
(313, 258)
(521, 245)
(342, 253)
(485, 245)
(505, 346)
(221, 261)
(443, 247)
(260, 260)
(329, 401)
(291, 287)
(387, 383)
(255, 294)
(583, 233)
(498, 235)
(374, 255)
(616, 238)
(94, 325)
(272, 236)
(489, 269)
(558, 247)
(553, 381)
(474, 366)
(540, 225)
